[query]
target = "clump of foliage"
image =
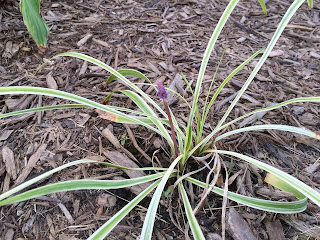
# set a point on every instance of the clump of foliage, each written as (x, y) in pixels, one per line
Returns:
(186, 142)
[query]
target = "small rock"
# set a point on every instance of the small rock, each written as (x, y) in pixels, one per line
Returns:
(310, 119)
(240, 40)
(107, 200)
(298, 110)
(213, 236)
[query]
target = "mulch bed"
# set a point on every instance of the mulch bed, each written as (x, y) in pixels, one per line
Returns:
(161, 39)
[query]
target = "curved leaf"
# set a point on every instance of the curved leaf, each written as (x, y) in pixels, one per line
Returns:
(271, 127)
(127, 72)
(35, 24)
(265, 205)
(292, 181)
(79, 185)
(194, 225)
(32, 110)
(263, 6)
(106, 228)
(288, 15)
(147, 228)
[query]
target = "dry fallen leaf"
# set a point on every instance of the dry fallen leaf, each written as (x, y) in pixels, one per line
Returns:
(51, 82)
(8, 158)
(276, 53)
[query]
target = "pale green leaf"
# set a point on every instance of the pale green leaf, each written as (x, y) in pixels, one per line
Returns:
(290, 12)
(286, 128)
(294, 182)
(263, 6)
(194, 225)
(261, 204)
(147, 228)
(106, 228)
(82, 184)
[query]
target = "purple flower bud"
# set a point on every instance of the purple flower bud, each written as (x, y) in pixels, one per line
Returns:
(162, 92)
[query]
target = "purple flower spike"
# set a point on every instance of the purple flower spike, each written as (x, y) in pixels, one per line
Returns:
(162, 92)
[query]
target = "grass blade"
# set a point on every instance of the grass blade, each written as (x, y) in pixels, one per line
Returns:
(207, 54)
(114, 115)
(294, 182)
(112, 71)
(127, 72)
(147, 228)
(106, 228)
(79, 185)
(294, 100)
(271, 127)
(31, 110)
(290, 12)
(146, 109)
(310, 3)
(225, 82)
(194, 225)
(263, 6)
(265, 205)
(42, 176)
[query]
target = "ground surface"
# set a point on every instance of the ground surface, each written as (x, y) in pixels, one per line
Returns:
(161, 39)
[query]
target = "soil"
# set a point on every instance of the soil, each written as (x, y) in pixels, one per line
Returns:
(161, 39)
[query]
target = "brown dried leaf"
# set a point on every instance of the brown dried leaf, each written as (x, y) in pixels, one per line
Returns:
(84, 39)
(8, 158)
(5, 134)
(51, 82)
(122, 160)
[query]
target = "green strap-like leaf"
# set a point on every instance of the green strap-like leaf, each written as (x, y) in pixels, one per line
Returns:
(106, 228)
(207, 54)
(32, 110)
(147, 228)
(223, 84)
(278, 183)
(294, 182)
(128, 72)
(215, 131)
(79, 185)
(36, 25)
(112, 71)
(290, 12)
(146, 109)
(114, 115)
(47, 174)
(265, 205)
(194, 225)
(271, 127)
(310, 3)
(263, 6)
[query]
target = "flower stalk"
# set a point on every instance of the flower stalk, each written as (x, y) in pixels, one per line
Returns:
(162, 93)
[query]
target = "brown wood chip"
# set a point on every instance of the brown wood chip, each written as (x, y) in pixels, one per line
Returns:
(238, 227)
(122, 160)
(31, 163)
(275, 230)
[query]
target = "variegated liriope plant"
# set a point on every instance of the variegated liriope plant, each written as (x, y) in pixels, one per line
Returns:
(191, 143)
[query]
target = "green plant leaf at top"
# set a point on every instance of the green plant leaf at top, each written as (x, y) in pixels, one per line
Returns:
(35, 24)
(263, 6)
(127, 72)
